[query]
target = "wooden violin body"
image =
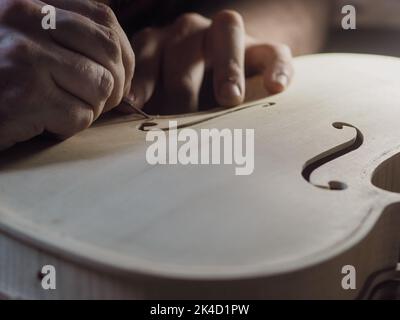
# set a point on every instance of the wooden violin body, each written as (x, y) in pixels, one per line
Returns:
(323, 195)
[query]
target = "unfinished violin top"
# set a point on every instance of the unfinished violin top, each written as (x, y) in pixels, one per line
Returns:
(323, 193)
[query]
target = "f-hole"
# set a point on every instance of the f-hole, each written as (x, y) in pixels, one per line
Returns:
(331, 155)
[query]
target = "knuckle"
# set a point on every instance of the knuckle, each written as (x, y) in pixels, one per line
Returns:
(82, 67)
(185, 23)
(228, 17)
(113, 46)
(105, 82)
(106, 14)
(78, 118)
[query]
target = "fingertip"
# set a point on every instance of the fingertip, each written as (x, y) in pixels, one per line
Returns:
(277, 82)
(228, 17)
(131, 104)
(230, 94)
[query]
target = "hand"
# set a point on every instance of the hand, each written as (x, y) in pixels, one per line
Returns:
(172, 63)
(59, 80)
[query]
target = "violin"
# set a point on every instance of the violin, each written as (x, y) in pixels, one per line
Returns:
(322, 203)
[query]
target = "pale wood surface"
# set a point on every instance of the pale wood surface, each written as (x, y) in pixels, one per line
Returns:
(95, 208)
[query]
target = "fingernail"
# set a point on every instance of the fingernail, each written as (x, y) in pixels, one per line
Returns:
(281, 78)
(130, 100)
(130, 97)
(231, 92)
(133, 100)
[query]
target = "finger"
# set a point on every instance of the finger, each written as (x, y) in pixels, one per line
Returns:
(79, 34)
(68, 115)
(274, 62)
(147, 45)
(103, 15)
(81, 77)
(184, 64)
(228, 47)
(13, 10)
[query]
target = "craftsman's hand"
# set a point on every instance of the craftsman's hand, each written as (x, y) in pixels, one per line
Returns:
(59, 80)
(171, 62)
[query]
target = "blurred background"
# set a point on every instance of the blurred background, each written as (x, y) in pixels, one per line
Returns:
(378, 28)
